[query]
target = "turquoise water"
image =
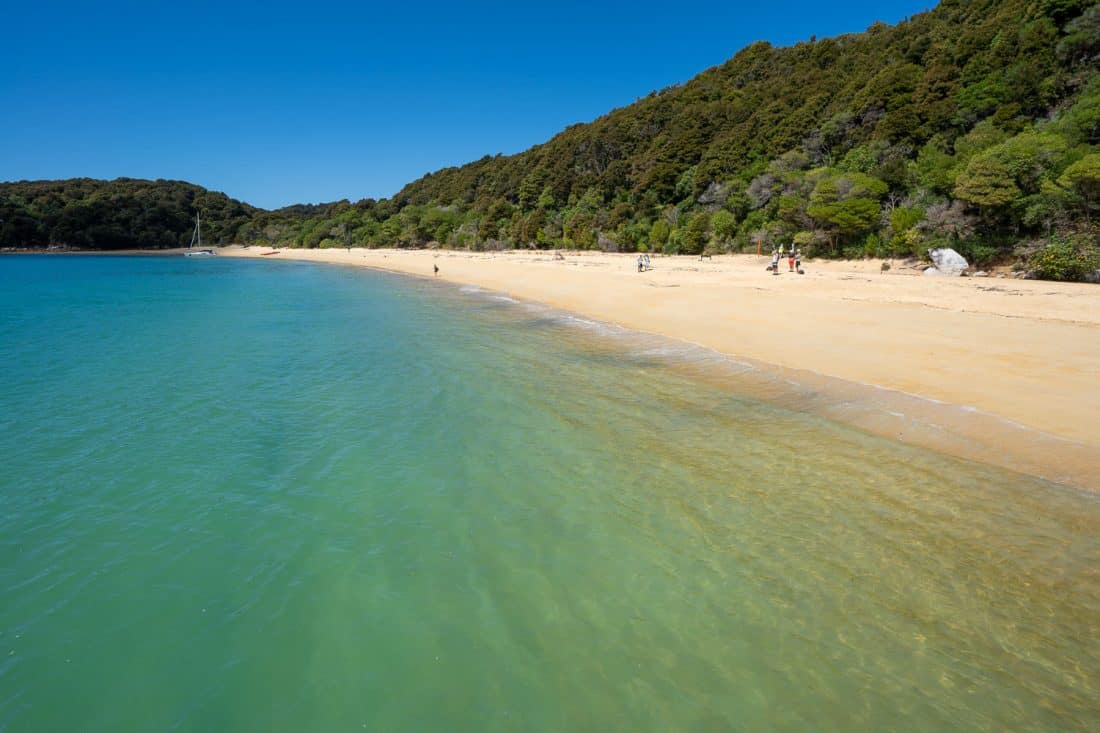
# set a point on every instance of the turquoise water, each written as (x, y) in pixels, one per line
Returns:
(243, 495)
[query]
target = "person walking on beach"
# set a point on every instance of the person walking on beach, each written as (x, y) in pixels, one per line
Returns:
(790, 259)
(641, 264)
(798, 262)
(647, 261)
(775, 262)
(435, 267)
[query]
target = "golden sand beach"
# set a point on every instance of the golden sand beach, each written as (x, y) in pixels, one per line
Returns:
(1007, 370)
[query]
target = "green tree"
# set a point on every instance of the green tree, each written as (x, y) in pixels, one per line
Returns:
(986, 182)
(546, 198)
(846, 204)
(1030, 157)
(695, 235)
(1081, 122)
(723, 225)
(530, 188)
(1083, 177)
(659, 234)
(934, 168)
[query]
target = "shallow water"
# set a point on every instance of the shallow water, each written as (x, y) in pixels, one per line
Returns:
(275, 496)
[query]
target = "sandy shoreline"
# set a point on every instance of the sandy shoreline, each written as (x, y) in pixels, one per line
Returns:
(1027, 352)
(1020, 354)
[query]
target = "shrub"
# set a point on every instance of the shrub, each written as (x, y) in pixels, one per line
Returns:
(909, 243)
(1066, 260)
(977, 252)
(873, 246)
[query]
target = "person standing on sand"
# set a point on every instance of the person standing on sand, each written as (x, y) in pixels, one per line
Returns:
(775, 262)
(435, 267)
(798, 262)
(790, 259)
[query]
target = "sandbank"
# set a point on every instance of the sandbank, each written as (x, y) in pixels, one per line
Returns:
(1007, 370)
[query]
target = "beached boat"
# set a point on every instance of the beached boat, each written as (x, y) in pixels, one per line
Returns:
(195, 248)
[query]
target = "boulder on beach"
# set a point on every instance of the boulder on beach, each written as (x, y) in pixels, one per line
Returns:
(946, 261)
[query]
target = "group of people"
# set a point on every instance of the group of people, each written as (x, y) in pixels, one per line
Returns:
(794, 261)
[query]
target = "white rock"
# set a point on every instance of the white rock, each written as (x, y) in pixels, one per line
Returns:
(948, 261)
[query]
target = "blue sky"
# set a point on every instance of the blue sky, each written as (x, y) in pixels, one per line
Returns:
(278, 103)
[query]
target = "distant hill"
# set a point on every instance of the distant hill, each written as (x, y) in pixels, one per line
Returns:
(974, 125)
(121, 214)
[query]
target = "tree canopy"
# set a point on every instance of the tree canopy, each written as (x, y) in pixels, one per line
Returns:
(121, 214)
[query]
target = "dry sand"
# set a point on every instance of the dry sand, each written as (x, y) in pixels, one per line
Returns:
(1020, 354)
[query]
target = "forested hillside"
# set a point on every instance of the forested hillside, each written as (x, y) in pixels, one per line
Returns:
(975, 125)
(120, 214)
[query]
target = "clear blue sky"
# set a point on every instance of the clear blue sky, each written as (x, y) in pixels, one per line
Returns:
(278, 103)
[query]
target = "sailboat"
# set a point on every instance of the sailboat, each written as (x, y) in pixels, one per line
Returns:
(195, 248)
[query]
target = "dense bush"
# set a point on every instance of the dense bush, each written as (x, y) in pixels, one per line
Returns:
(1065, 259)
